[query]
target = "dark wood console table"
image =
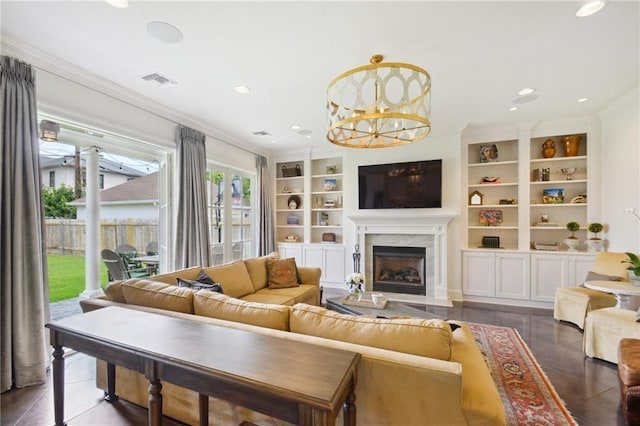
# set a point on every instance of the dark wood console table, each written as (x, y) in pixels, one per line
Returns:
(297, 382)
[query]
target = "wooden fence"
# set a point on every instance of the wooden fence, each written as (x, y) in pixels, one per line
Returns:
(67, 236)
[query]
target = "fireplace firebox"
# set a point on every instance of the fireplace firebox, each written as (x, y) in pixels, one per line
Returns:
(399, 269)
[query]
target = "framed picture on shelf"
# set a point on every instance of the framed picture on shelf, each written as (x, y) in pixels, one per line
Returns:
(330, 184)
(553, 196)
(489, 153)
(323, 218)
(490, 217)
(293, 219)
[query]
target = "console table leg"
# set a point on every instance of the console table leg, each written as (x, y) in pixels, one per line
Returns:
(203, 404)
(58, 385)
(349, 408)
(155, 402)
(110, 394)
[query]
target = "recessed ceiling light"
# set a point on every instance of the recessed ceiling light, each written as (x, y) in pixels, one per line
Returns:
(242, 89)
(583, 99)
(164, 32)
(118, 3)
(590, 7)
(513, 108)
(296, 127)
(526, 91)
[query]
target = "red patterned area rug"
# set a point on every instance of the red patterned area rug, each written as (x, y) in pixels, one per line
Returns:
(527, 394)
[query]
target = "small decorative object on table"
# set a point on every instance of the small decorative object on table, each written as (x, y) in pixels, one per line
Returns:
(355, 285)
(291, 238)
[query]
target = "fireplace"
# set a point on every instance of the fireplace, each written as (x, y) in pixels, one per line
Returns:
(407, 229)
(399, 269)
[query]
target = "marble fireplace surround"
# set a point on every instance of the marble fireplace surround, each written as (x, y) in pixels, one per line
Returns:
(425, 231)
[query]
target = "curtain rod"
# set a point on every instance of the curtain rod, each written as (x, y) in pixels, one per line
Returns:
(139, 107)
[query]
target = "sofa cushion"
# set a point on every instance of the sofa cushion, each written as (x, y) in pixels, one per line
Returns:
(425, 337)
(220, 306)
(268, 296)
(282, 273)
(233, 277)
(303, 293)
(160, 295)
(257, 268)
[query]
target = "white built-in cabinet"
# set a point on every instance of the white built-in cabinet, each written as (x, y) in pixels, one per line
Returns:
(492, 274)
(505, 181)
(502, 276)
(550, 271)
(312, 230)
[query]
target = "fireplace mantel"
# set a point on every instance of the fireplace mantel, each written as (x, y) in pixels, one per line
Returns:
(410, 225)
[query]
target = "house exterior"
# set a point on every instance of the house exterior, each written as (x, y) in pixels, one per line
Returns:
(60, 170)
(136, 198)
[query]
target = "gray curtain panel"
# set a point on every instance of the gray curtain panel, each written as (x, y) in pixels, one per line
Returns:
(266, 231)
(24, 292)
(192, 236)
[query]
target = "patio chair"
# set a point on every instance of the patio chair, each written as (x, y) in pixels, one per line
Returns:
(152, 248)
(127, 252)
(118, 270)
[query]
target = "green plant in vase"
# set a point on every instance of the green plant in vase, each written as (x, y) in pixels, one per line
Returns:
(634, 269)
(572, 242)
(595, 243)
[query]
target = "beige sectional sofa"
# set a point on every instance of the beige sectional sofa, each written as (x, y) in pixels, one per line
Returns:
(412, 372)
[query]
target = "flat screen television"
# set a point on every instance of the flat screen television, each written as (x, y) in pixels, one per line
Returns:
(416, 184)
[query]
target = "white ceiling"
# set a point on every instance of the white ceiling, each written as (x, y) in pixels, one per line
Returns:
(479, 55)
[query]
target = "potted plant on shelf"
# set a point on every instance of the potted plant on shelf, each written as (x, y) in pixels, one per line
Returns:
(572, 242)
(595, 243)
(634, 269)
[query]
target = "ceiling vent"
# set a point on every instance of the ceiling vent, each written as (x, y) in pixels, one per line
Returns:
(262, 133)
(160, 80)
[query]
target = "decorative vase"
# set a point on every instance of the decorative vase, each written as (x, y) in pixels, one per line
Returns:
(571, 145)
(572, 243)
(635, 279)
(595, 245)
(355, 290)
(548, 148)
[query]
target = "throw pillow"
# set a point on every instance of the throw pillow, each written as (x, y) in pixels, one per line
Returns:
(198, 285)
(233, 277)
(594, 276)
(257, 268)
(282, 273)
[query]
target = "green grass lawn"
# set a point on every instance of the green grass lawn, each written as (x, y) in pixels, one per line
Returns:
(66, 276)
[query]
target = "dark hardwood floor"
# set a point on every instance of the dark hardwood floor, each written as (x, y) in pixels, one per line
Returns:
(589, 387)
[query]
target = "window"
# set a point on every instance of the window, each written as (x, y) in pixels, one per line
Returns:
(230, 214)
(52, 179)
(101, 181)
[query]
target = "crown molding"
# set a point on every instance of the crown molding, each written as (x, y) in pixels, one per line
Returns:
(620, 106)
(63, 69)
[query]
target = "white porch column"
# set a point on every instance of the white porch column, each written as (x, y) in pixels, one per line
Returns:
(92, 224)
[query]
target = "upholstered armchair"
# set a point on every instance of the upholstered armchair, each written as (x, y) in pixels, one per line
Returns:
(573, 303)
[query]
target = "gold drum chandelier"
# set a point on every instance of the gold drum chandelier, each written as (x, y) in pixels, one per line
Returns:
(379, 105)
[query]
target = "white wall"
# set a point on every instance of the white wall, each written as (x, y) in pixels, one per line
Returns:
(142, 210)
(620, 164)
